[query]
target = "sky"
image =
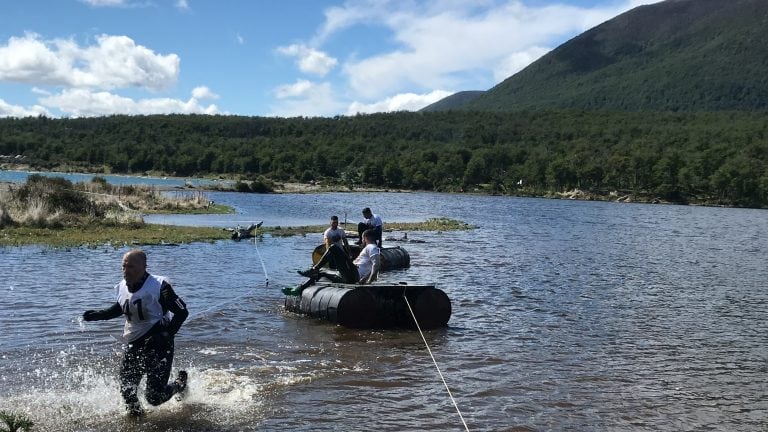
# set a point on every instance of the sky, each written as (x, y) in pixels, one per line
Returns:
(276, 58)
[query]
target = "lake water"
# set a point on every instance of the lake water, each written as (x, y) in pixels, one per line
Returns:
(567, 315)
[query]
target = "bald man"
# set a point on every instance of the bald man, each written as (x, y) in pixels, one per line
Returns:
(153, 315)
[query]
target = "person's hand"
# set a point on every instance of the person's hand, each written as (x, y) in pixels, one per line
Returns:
(90, 315)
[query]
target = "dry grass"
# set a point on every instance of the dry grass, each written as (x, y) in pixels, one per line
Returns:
(56, 202)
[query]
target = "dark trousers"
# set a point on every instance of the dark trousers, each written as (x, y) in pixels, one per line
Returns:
(152, 356)
(338, 259)
(361, 227)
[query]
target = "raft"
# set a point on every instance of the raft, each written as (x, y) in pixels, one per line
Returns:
(391, 257)
(373, 306)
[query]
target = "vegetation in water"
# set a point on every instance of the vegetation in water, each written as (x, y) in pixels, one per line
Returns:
(14, 422)
(55, 212)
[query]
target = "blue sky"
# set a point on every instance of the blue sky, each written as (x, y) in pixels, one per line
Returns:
(287, 58)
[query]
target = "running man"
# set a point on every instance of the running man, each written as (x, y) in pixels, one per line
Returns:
(153, 315)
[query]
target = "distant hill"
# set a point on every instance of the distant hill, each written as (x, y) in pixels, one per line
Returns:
(677, 55)
(453, 101)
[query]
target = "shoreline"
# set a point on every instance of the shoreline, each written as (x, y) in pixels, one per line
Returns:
(308, 188)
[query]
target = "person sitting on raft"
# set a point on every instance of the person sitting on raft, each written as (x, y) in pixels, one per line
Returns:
(363, 270)
(372, 222)
(335, 235)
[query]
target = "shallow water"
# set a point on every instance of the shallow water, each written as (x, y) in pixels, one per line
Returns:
(566, 316)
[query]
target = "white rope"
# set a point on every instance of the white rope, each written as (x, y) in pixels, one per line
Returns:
(203, 313)
(266, 279)
(263, 267)
(435, 362)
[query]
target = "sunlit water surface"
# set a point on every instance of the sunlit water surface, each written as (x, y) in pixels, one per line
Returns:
(566, 316)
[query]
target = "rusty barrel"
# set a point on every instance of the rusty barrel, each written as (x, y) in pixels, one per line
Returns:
(374, 306)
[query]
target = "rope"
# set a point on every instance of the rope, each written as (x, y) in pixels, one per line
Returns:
(435, 361)
(263, 267)
(216, 306)
(266, 280)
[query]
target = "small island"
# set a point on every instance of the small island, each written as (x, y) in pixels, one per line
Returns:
(56, 212)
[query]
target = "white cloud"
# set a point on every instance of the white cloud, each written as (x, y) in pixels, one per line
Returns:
(86, 103)
(298, 89)
(400, 102)
(39, 91)
(115, 62)
(516, 62)
(309, 60)
(455, 44)
(203, 92)
(437, 49)
(104, 3)
(338, 18)
(182, 5)
(29, 60)
(240, 39)
(305, 98)
(8, 110)
(89, 74)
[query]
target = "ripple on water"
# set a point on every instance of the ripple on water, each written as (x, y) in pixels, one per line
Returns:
(566, 316)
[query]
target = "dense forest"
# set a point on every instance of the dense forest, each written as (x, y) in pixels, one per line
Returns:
(717, 158)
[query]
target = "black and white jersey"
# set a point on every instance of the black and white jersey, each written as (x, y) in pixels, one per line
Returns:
(142, 309)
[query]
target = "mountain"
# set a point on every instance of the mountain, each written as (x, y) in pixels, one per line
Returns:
(677, 55)
(454, 100)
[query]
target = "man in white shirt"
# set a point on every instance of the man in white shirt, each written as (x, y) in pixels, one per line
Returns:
(371, 222)
(335, 235)
(363, 270)
(368, 263)
(145, 301)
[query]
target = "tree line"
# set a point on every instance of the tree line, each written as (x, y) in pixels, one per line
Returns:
(714, 157)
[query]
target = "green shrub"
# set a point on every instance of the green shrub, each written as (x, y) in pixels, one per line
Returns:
(262, 185)
(242, 187)
(15, 422)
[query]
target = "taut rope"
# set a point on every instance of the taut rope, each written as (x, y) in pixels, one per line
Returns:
(435, 361)
(263, 267)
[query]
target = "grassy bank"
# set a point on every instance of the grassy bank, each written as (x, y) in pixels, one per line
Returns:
(150, 234)
(116, 236)
(55, 212)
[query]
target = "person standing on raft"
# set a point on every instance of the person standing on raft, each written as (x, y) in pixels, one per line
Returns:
(149, 331)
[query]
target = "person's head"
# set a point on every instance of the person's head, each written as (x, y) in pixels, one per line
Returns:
(369, 237)
(134, 265)
(367, 213)
(334, 221)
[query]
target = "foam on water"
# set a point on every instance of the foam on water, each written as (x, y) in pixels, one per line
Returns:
(69, 391)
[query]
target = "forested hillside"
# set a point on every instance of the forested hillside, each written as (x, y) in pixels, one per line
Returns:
(454, 100)
(712, 157)
(677, 55)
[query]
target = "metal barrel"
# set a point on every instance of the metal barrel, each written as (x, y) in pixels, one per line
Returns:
(374, 306)
(394, 258)
(391, 257)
